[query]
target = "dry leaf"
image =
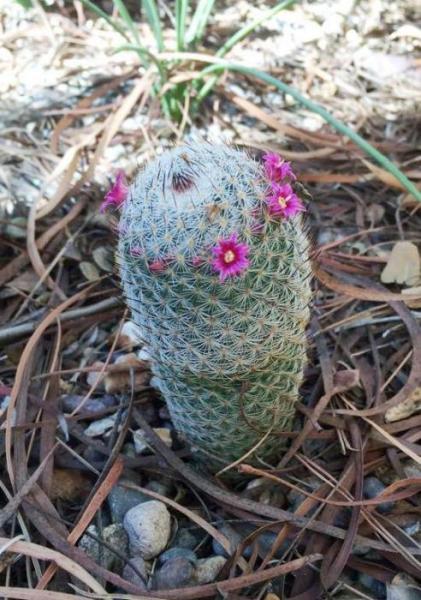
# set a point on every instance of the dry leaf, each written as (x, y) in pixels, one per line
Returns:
(403, 266)
(69, 484)
(406, 408)
(116, 382)
(413, 290)
(89, 271)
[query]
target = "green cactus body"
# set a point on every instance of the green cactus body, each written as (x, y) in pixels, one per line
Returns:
(228, 355)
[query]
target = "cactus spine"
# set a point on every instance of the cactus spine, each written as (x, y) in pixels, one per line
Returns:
(219, 282)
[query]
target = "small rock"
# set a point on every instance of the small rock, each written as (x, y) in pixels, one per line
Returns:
(266, 541)
(130, 574)
(115, 536)
(173, 574)
(148, 526)
(142, 446)
(271, 596)
(91, 407)
(163, 487)
(177, 552)
(377, 587)
(374, 487)
(121, 499)
(185, 539)
(208, 569)
(233, 537)
(101, 426)
(96, 378)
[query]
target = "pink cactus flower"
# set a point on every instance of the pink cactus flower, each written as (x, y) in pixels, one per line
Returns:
(160, 264)
(117, 194)
(230, 257)
(276, 168)
(283, 202)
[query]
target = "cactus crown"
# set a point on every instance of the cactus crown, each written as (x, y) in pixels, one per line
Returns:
(214, 266)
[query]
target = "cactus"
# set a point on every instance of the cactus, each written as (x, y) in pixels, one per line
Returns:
(214, 266)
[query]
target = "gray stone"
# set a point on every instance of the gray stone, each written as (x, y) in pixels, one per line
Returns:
(233, 537)
(177, 552)
(163, 487)
(374, 487)
(207, 569)
(185, 539)
(130, 574)
(121, 499)
(92, 406)
(175, 573)
(377, 587)
(115, 536)
(149, 527)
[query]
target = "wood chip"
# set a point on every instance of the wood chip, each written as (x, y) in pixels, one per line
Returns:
(403, 266)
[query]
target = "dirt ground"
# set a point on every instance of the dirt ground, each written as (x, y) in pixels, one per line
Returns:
(73, 380)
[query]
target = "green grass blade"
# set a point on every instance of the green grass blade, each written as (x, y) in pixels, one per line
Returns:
(100, 13)
(199, 21)
(180, 22)
(237, 37)
(124, 14)
(25, 3)
(152, 15)
(370, 150)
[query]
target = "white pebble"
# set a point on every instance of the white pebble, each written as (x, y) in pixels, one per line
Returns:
(148, 526)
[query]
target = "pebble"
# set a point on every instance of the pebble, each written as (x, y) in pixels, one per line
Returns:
(121, 499)
(140, 443)
(373, 487)
(163, 487)
(130, 575)
(377, 587)
(149, 527)
(102, 426)
(177, 552)
(175, 573)
(92, 406)
(185, 539)
(233, 537)
(115, 536)
(207, 569)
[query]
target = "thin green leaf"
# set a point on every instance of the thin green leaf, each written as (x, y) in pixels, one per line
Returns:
(199, 21)
(98, 11)
(180, 22)
(125, 15)
(155, 24)
(25, 3)
(385, 162)
(237, 37)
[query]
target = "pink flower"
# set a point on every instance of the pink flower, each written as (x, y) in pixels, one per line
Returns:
(117, 194)
(230, 257)
(160, 264)
(276, 168)
(283, 202)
